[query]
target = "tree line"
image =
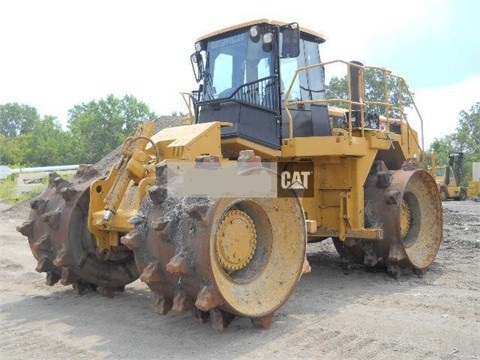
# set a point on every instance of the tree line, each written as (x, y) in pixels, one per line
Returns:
(93, 130)
(96, 128)
(465, 139)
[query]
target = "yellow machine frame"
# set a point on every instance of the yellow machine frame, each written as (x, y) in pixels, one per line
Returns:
(342, 162)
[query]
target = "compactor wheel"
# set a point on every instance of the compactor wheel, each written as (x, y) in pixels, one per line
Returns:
(64, 248)
(406, 204)
(218, 257)
(422, 236)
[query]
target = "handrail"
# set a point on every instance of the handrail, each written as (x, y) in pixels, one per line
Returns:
(187, 98)
(402, 89)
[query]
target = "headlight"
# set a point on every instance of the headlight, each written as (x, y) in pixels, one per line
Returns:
(254, 32)
(267, 38)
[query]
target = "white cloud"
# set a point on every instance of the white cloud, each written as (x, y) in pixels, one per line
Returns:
(440, 107)
(58, 54)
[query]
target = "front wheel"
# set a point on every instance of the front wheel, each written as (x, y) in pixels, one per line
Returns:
(58, 235)
(219, 257)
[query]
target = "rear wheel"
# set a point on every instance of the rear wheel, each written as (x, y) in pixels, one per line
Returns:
(407, 206)
(422, 235)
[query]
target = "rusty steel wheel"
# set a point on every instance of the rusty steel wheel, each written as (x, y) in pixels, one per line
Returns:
(406, 204)
(64, 248)
(422, 235)
(219, 257)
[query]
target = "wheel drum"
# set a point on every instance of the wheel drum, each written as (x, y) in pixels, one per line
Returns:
(271, 275)
(409, 211)
(425, 230)
(60, 241)
(184, 257)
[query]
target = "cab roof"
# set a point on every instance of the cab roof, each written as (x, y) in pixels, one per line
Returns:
(317, 36)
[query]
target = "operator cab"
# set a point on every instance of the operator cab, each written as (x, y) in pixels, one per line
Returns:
(244, 73)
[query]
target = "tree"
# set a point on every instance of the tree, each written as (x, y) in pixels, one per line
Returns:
(98, 127)
(442, 148)
(16, 119)
(49, 144)
(465, 139)
(395, 91)
(467, 134)
(337, 88)
(13, 151)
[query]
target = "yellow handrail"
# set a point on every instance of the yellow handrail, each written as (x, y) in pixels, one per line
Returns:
(188, 102)
(362, 103)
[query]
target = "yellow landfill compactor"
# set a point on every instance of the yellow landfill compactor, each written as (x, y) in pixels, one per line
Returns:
(215, 215)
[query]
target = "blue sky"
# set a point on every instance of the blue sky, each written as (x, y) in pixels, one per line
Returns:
(57, 54)
(441, 47)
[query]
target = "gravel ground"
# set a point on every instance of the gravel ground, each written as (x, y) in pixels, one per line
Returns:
(335, 313)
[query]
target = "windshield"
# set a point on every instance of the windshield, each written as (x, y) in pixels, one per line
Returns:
(233, 61)
(309, 84)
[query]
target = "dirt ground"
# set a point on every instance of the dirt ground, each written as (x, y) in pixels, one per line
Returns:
(335, 313)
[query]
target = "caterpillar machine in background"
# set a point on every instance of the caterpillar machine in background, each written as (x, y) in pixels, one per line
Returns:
(449, 177)
(341, 168)
(473, 190)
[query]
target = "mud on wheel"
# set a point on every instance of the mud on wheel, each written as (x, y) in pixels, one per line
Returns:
(61, 243)
(406, 204)
(218, 257)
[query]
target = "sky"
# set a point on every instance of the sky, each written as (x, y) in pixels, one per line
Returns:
(56, 54)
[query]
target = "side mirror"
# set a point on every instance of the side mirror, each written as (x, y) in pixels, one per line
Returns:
(197, 65)
(291, 41)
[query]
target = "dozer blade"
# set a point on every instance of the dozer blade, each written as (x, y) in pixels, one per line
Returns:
(219, 257)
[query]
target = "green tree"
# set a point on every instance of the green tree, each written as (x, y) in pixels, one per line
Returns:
(13, 151)
(442, 147)
(49, 144)
(467, 134)
(465, 139)
(98, 127)
(379, 87)
(337, 88)
(16, 119)
(3, 149)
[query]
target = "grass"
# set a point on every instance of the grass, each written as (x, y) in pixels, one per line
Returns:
(10, 194)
